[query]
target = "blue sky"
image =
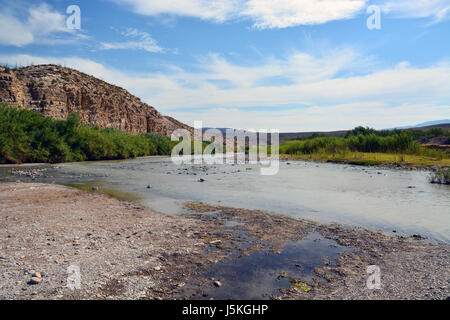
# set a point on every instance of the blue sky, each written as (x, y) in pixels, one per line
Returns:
(293, 65)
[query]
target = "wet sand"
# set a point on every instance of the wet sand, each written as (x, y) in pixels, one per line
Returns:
(126, 251)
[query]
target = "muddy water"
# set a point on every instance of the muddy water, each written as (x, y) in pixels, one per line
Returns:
(374, 198)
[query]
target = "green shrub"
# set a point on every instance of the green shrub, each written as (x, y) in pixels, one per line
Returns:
(362, 139)
(440, 176)
(162, 144)
(27, 136)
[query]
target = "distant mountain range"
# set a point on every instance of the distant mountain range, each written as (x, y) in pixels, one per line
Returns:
(292, 135)
(425, 124)
(444, 122)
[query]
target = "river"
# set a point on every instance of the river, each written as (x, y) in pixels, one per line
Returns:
(399, 202)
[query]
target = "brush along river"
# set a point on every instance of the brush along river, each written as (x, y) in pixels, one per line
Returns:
(208, 249)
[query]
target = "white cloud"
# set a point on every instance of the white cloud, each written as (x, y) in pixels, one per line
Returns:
(140, 40)
(264, 13)
(436, 9)
(397, 95)
(217, 10)
(314, 118)
(13, 32)
(41, 22)
(287, 13)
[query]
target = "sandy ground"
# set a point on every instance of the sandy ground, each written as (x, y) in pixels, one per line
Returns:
(122, 249)
(125, 251)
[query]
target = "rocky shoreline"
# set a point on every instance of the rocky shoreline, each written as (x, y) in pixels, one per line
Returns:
(126, 251)
(390, 166)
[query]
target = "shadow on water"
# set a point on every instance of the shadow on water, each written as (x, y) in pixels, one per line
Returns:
(262, 274)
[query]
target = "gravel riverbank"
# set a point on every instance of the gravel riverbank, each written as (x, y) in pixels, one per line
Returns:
(126, 251)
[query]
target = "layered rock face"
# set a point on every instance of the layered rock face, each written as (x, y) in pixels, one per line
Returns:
(57, 91)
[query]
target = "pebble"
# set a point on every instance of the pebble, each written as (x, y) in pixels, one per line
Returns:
(217, 283)
(35, 280)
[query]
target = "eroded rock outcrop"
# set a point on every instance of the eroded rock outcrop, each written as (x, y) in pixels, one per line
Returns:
(57, 91)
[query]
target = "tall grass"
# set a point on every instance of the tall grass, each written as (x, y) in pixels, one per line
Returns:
(365, 146)
(369, 141)
(440, 176)
(27, 136)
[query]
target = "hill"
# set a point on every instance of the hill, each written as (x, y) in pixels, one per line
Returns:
(57, 91)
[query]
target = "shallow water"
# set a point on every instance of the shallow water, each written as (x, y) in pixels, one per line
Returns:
(259, 275)
(374, 198)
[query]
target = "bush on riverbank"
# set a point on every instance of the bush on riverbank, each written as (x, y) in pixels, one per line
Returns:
(27, 136)
(361, 140)
(440, 176)
(431, 133)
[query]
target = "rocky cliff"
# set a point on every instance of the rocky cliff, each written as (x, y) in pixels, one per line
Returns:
(56, 92)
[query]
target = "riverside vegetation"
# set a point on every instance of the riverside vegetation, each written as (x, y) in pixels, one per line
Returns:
(27, 136)
(365, 146)
(441, 176)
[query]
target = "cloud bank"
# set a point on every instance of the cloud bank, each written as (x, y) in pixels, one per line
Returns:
(42, 24)
(318, 95)
(271, 14)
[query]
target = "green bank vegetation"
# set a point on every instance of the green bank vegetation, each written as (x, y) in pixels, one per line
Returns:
(431, 133)
(27, 136)
(441, 176)
(365, 146)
